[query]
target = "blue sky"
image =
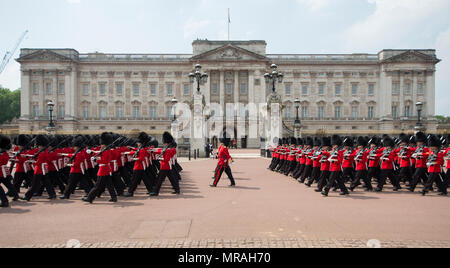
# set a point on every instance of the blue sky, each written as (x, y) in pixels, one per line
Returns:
(288, 26)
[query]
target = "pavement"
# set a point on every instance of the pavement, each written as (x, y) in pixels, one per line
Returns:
(266, 209)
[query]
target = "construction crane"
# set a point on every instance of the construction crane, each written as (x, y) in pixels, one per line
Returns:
(10, 54)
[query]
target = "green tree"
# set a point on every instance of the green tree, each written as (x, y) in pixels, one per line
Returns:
(441, 118)
(9, 105)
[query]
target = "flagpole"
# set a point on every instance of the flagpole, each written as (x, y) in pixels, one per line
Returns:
(229, 21)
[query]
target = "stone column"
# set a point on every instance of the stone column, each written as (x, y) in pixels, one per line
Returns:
(71, 82)
(222, 89)
(207, 89)
(197, 139)
(25, 93)
(430, 94)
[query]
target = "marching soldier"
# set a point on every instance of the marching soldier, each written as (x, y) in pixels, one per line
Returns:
(5, 174)
(336, 158)
(223, 165)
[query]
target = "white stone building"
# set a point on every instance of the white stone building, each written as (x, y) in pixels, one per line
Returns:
(350, 94)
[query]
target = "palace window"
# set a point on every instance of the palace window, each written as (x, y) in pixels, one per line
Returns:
(420, 88)
(354, 89)
(35, 110)
(61, 88)
(371, 89)
(304, 90)
(187, 90)
(215, 89)
(394, 111)
(119, 111)
(85, 89)
(304, 112)
(371, 112)
(169, 111)
(287, 112)
(102, 112)
(61, 112)
(395, 87)
(136, 90)
(119, 89)
(337, 90)
(85, 112)
(355, 111)
(321, 112)
(36, 88)
(153, 90)
(48, 88)
(243, 89)
(153, 112)
(102, 89)
(229, 88)
(321, 89)
(407, 111)
(169, 89)
(288, 90)
(136, 111)
(407, 88)
(337, 112)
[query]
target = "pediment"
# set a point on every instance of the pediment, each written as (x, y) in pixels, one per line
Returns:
(44, 55)
(412, 57)
(229, 53)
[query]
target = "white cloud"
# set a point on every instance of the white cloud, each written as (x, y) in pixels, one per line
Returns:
(315, 4)
(393, 22)
(193, 27)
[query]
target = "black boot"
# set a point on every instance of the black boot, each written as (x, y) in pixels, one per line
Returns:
(4, 205)
(128, 195)
(87, 200)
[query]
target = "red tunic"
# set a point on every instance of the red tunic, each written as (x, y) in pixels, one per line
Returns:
(104, 164)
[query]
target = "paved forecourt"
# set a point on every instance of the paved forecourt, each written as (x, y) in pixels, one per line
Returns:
(266, 209)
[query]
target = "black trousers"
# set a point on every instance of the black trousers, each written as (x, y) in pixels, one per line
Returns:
(315, 175)
(101, 183)
(348, 174)
(405, 174)
(388, 173)
(138, 177)
(299, 171)
(336, 177)
(11, 189)
(125, 175)
(19, 178)
(374, 173)
(118, 183)
(420, 174)
(323, 179)
(74, 180)
(161, 177)
(434, 177)
(362, 175)
(273, 163)
(36, 183)
(3, 197)
(306, 173)
(219, 172)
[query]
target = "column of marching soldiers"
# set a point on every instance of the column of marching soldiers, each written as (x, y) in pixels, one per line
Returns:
(91, 163)
(346, 163)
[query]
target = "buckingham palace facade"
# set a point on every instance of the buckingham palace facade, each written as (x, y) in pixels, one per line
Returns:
(348, 94)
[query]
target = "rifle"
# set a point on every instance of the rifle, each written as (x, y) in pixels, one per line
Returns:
(112, 145)
(59, 145)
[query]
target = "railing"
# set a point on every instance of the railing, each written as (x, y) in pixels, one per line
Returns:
(135, 57)
(326, 57)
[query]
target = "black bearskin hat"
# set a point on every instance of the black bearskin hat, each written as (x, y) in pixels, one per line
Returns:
(153, 142)
(412, 139)
(79, 141)
(22, 140)
(317, 142)
(421, 137)
(41, 140)
(309, 141)
(5, 142)
(226, 140)
(106, 139)
(326, 141)
(143, 138)
(388, 142)
(300, 141)
(293, 141)
(434, 141)
(404, 138)
(362, 142)
(348, 142)
(374, 140)
(167, 138)
(336, 140)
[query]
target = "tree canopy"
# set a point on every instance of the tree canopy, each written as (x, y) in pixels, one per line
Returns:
(9, 105)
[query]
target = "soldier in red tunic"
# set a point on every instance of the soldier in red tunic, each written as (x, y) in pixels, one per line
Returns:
(223, 165)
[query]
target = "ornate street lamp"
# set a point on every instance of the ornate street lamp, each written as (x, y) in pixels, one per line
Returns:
(198, 76)
(274, 76)
(174, 104)
(51, 107)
